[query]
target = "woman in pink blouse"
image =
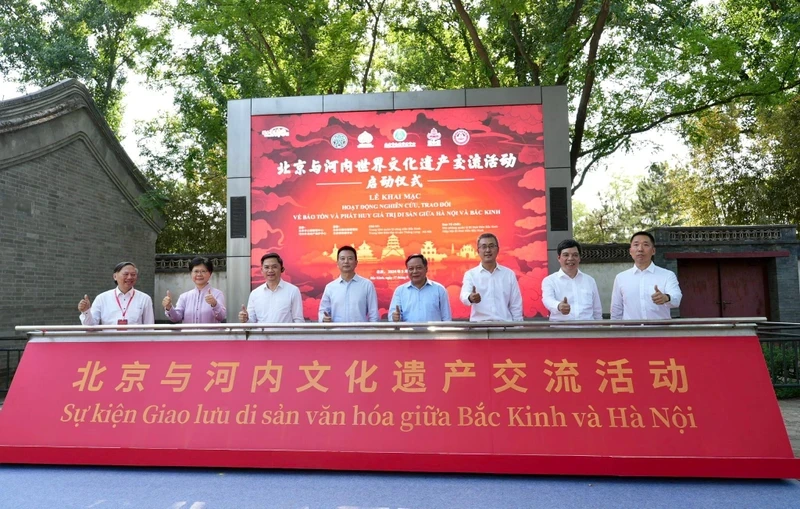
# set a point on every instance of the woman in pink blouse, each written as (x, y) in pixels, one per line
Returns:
(203, 304)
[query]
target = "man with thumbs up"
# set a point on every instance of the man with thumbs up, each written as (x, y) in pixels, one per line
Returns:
(420, 299)
(569, 294)
(490, 289)
(276, 301)
(645, 291)
(121, 306)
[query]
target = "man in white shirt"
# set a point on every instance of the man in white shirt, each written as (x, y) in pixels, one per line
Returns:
(276, 301)
(569, 294)
(349, 297)
(121, 306)
(645, 291)
(490, 289)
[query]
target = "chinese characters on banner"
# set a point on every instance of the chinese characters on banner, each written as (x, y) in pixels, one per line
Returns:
(286, 403)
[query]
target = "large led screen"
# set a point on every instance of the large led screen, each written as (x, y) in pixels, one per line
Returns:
(396, 183)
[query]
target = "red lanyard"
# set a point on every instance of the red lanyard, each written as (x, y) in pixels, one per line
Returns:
(125, 311)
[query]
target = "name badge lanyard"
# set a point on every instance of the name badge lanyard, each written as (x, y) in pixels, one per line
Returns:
(127, 306)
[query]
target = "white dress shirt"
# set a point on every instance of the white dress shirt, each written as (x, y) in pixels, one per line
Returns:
(633, 290)
(580, 291)
(282, 305)
(350, 301)
(136, 307)
(501, 299)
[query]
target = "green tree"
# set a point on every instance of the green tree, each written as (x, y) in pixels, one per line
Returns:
(629, 66)
(94, 41)
(611, 221)
(745, 165)
(656, 202)
(242, 50)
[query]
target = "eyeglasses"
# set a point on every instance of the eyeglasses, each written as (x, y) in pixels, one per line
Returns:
(199, 272)
(487, 246)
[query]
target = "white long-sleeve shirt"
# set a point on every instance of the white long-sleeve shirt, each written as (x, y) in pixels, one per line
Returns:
(136, 307)
(581, 294)
(632, 299)
(501, 299)
(282, 305)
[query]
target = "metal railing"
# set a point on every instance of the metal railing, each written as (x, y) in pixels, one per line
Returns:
(780, 342)
(9, 360)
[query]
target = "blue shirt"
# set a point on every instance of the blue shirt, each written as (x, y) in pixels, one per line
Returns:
(350, 301)
(427, 304)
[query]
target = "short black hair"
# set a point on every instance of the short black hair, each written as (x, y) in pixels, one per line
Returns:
(411, 257)
(488, 236)
(648, 234)
(272, 255)
(568, 243)
(118, 267)
(347, 248)
(201, 261)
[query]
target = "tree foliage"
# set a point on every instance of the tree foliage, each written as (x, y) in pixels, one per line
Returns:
(94, 41)
(628, 66)
(627, 208)
(239, 50)
(745, 166)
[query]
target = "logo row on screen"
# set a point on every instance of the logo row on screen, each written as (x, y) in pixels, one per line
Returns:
(365, 139)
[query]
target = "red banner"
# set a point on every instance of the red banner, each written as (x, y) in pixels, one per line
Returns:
(396, 183)
(311, 403)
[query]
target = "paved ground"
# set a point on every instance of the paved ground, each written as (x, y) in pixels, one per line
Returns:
(152, 488)
(791, 416)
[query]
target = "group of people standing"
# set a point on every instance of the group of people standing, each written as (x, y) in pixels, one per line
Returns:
(490, 290)
(643, 292)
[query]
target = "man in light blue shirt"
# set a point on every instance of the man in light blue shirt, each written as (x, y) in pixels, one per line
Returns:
(349, 297)
(419, 300)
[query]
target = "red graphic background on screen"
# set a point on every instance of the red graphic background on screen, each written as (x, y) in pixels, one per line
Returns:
(396, 183)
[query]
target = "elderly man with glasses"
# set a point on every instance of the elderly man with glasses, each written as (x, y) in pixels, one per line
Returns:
(121, 306)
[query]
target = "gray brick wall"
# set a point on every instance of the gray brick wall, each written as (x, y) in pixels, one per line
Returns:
(63, 226)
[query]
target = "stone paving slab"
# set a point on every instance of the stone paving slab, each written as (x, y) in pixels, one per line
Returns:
(790, 408)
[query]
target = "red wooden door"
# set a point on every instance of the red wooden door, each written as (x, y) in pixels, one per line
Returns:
(699, 281)
(743, 287)
(727, 287)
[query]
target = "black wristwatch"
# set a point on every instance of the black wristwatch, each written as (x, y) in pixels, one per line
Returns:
(668, 297)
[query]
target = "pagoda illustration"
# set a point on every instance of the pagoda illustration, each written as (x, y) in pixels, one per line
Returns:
(468, 251)
(332, 254)
(365, 253)
(430, 252)
(392, 248)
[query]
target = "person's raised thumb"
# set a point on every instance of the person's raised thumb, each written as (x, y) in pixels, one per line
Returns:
(397, 308)
(169, 294)
(657, 290)
(326, 313)
(473, 290)
(244, 308)
(565, 301)
(85, 297)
